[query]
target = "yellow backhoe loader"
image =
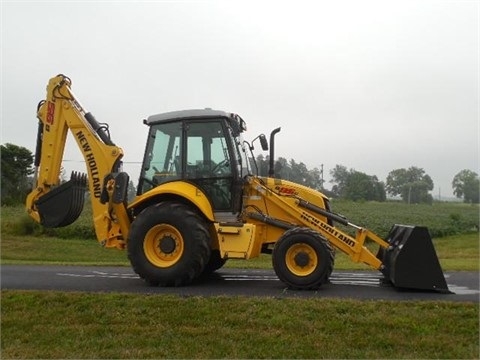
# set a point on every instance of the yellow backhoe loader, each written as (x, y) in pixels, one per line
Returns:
(199, 202)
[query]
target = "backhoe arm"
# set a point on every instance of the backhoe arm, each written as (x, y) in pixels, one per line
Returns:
(53, 204)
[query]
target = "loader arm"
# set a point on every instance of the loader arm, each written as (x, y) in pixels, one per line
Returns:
(293, 209)
(406, 258)
(55, 205)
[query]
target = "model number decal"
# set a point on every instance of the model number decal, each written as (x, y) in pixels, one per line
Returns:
(283, 190)
(50, 115)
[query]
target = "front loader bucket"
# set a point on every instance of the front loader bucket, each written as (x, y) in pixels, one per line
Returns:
(64, 204)
(411, 261)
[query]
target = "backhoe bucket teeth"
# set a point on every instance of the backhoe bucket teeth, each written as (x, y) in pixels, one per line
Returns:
(411, 261)
(64, 204)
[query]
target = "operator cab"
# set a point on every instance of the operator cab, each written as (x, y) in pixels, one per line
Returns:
(203, 147)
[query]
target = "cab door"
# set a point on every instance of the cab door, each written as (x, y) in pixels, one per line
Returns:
(208, 162)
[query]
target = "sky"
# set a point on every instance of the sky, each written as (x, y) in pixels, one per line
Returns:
(370, 85)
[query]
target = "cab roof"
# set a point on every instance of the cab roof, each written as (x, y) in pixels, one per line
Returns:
(187, 114)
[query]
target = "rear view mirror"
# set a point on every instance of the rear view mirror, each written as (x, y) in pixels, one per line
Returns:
(263, 142)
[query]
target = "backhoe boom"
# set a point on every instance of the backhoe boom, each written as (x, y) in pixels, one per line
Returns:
(54, 204)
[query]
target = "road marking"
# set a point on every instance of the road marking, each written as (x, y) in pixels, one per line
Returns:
(344, 278)
(356, 279)
(100, 274)
(462, 290)
(240, 277)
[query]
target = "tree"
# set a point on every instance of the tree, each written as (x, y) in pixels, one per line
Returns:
(340, 176)
(466, 184)
(262, 165)
(411, 184)
(361, 186)
(355, 185)
(282, 169)
(317, 179)
(16, 162)
(291, 171)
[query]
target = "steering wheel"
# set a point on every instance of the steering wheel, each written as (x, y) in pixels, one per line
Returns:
(221, 168)
(149, 181)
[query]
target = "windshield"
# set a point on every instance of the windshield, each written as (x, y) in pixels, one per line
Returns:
(244, 162)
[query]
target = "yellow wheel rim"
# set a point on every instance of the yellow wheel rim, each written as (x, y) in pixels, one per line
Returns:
(163, 245)
(301, 259)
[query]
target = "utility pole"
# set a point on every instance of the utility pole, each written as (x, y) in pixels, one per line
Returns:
(321, 176)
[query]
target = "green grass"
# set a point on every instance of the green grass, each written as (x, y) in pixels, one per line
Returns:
(459, 252)
(51, 250)
(74, 325)
(454, 252)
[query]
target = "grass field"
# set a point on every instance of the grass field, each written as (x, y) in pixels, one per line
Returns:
(54, 325)
(81, 325)
(442, 219)
(455, 253)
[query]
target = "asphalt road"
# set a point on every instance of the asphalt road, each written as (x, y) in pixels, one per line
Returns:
(229, 282)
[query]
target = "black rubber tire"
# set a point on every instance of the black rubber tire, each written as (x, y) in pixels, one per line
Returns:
(215, 262)
(319, 254)
(190, 229)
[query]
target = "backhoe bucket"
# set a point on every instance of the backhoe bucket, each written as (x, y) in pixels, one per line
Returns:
(64, 204)
(411, 261)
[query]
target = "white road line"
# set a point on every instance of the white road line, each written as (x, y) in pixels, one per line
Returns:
(354, 279)
(101, 275)
(462, 290)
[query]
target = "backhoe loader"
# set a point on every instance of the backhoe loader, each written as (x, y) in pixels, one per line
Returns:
(200, 202)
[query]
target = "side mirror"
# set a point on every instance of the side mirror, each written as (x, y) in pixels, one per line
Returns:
(243, 125)
(263, 142)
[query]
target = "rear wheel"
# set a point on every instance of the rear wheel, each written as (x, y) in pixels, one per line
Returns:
(303, 259)
(168, 244)
(215, 262)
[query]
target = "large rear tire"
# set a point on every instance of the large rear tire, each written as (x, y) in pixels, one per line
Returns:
(303, 259)
(215, 262)
(168, 244)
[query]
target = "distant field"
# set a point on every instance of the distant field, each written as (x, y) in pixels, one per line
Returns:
(442, 219)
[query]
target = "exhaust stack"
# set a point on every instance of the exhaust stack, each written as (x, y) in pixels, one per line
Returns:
(271, 169)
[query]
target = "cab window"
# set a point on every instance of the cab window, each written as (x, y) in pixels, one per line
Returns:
(208, 161)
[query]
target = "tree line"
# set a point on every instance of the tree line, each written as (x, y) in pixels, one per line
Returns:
(412, 185)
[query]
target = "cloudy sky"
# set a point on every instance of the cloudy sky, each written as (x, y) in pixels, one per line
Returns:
(371, 85)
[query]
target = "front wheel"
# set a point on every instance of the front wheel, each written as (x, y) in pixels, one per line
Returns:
(303, 259)
(168, 244)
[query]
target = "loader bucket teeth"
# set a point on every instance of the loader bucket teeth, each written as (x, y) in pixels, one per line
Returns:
(411, 261)
(64, 204)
